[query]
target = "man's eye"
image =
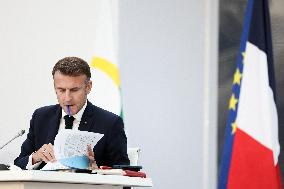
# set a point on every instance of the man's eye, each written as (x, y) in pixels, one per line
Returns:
(61, 90)
(74, 90)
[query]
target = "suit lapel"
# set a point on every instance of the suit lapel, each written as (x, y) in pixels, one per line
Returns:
(86, 120)
(54, 126)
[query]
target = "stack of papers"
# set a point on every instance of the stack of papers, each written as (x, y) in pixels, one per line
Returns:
(70, 149)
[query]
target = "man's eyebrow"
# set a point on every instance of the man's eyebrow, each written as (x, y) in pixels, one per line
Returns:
(68, 88)
(60, 88)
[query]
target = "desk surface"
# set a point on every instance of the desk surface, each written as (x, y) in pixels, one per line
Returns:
(66, 177)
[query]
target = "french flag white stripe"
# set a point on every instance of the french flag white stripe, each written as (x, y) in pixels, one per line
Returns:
(257, 114)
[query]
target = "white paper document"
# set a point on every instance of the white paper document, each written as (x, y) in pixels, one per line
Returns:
(70, 149)
(50, 166)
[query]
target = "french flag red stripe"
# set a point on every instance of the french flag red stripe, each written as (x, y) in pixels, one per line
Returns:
(252, 164)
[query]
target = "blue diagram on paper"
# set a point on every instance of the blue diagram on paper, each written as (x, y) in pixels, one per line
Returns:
(78, 162)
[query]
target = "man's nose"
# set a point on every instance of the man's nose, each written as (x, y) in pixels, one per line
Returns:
(68, 96)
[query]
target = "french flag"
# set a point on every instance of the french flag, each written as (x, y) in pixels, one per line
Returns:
(251, 148)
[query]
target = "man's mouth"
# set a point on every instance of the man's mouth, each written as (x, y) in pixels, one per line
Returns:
(68, 109)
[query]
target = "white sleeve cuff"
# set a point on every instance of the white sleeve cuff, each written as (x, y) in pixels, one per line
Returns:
(30, 165)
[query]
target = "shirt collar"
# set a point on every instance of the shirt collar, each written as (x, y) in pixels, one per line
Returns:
(79, 114)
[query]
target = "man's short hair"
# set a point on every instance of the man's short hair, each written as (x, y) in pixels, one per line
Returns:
(72, 66)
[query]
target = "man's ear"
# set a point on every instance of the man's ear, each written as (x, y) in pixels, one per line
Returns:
(89, 86)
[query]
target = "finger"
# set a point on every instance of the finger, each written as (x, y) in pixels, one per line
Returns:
(47, 152)
(91, 158)
(51, 151)
(90, 151)
(93, 164)
(42, 157)
(36, 157)
(44, 148)
(39, 155)
(41, 151)
(47, 156)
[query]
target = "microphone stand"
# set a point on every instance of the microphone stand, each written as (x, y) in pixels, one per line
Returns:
(4, 166)
(8, 142)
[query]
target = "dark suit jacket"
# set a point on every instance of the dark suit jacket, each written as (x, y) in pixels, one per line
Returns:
(44, 125)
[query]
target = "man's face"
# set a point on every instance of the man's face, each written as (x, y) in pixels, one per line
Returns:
(71, 91)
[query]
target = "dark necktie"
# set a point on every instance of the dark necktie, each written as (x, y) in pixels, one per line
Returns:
(68, 121)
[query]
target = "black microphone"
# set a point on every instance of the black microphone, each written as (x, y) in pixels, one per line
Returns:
(20, 133)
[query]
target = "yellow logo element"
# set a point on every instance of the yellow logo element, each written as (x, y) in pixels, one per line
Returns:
(110, 69)
(233, 102)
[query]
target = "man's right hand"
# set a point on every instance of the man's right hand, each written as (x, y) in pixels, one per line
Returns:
(45, 153)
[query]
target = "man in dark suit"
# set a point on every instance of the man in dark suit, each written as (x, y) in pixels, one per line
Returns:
(72, 84)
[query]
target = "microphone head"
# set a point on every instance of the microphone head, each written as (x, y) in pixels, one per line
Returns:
(22, 132)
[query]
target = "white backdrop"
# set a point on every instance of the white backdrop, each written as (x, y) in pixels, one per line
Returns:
(34, 35)
(167, 58)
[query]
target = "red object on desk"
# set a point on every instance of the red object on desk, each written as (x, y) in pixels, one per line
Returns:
(134, 174)
(105, 167)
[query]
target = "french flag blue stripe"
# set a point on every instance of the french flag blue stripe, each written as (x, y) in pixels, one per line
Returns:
(229, 137)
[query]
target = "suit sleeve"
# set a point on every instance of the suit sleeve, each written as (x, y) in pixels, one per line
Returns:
(117, 144)
(28, 147)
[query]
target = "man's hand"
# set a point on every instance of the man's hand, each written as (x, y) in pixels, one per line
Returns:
(45, 153)
(91, 155)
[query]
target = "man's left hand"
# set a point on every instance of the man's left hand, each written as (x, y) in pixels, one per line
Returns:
(91, 155)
